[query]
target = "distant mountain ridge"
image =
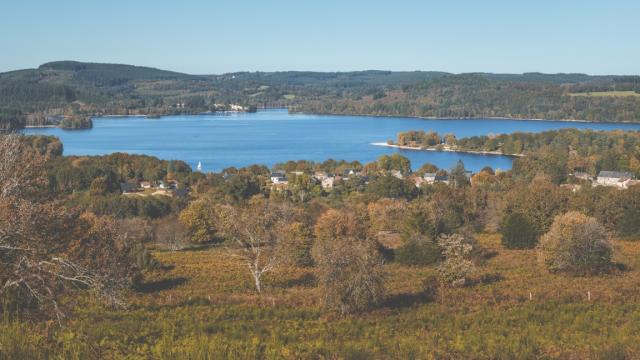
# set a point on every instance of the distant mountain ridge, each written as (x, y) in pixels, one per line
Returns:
(87, 89)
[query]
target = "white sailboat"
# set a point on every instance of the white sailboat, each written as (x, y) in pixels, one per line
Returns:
(199, 167)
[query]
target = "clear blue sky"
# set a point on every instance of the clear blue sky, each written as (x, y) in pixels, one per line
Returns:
(216, 36)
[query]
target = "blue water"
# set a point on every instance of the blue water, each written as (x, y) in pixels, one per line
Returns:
(272, 136)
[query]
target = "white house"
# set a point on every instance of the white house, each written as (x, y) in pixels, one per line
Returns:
(621, 179)
(278, 178)
(397, 174)
(320, 175)
(327, 183)
(430, 178)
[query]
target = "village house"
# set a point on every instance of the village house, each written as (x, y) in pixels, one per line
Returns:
(320, 175)
(432, 178)
(145, 184)
(349, 172)
(429, 178)
(278, 177)
(621, 179)
(327, 183)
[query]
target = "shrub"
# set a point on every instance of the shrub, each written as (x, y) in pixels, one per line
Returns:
(349, 266)
(430, 287)
(418, 251)
(518, 232)
(456, 267)
(576, 244)
(143, 258)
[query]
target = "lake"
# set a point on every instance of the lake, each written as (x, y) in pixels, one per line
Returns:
(271, 136)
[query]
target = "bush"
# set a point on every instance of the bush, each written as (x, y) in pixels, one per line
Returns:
(418, 251)
(576, 244)
(430, 286)
(518, 232)
(349, 266)
(143, 258)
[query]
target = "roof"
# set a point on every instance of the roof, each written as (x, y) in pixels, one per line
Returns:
(616, 174)
(429, 175)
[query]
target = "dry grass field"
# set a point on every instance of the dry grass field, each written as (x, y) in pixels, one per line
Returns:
(202, 306)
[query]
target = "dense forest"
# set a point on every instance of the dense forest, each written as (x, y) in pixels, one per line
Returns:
(242, 267)
(75, 89)
(488, 95)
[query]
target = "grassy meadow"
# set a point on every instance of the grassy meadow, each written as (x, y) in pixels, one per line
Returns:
(202, 305)
(607, 94)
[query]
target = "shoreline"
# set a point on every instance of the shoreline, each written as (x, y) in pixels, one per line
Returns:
(376, 115)
(471, 118)
(414, 148)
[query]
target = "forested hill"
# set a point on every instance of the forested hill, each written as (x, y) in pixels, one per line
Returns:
(73, 89)
(527, 96)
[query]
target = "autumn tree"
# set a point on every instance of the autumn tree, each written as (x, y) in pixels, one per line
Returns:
(386, 214)
(395, 162)
(349, 266)
(540, 201)
(201, 220)
(426, 168)
(388, 186)
(576, 244)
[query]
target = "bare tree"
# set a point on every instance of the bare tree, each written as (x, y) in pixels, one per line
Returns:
(170, 232)
(47, 250)
(21, 167)
(456, 267)
(257, 229)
